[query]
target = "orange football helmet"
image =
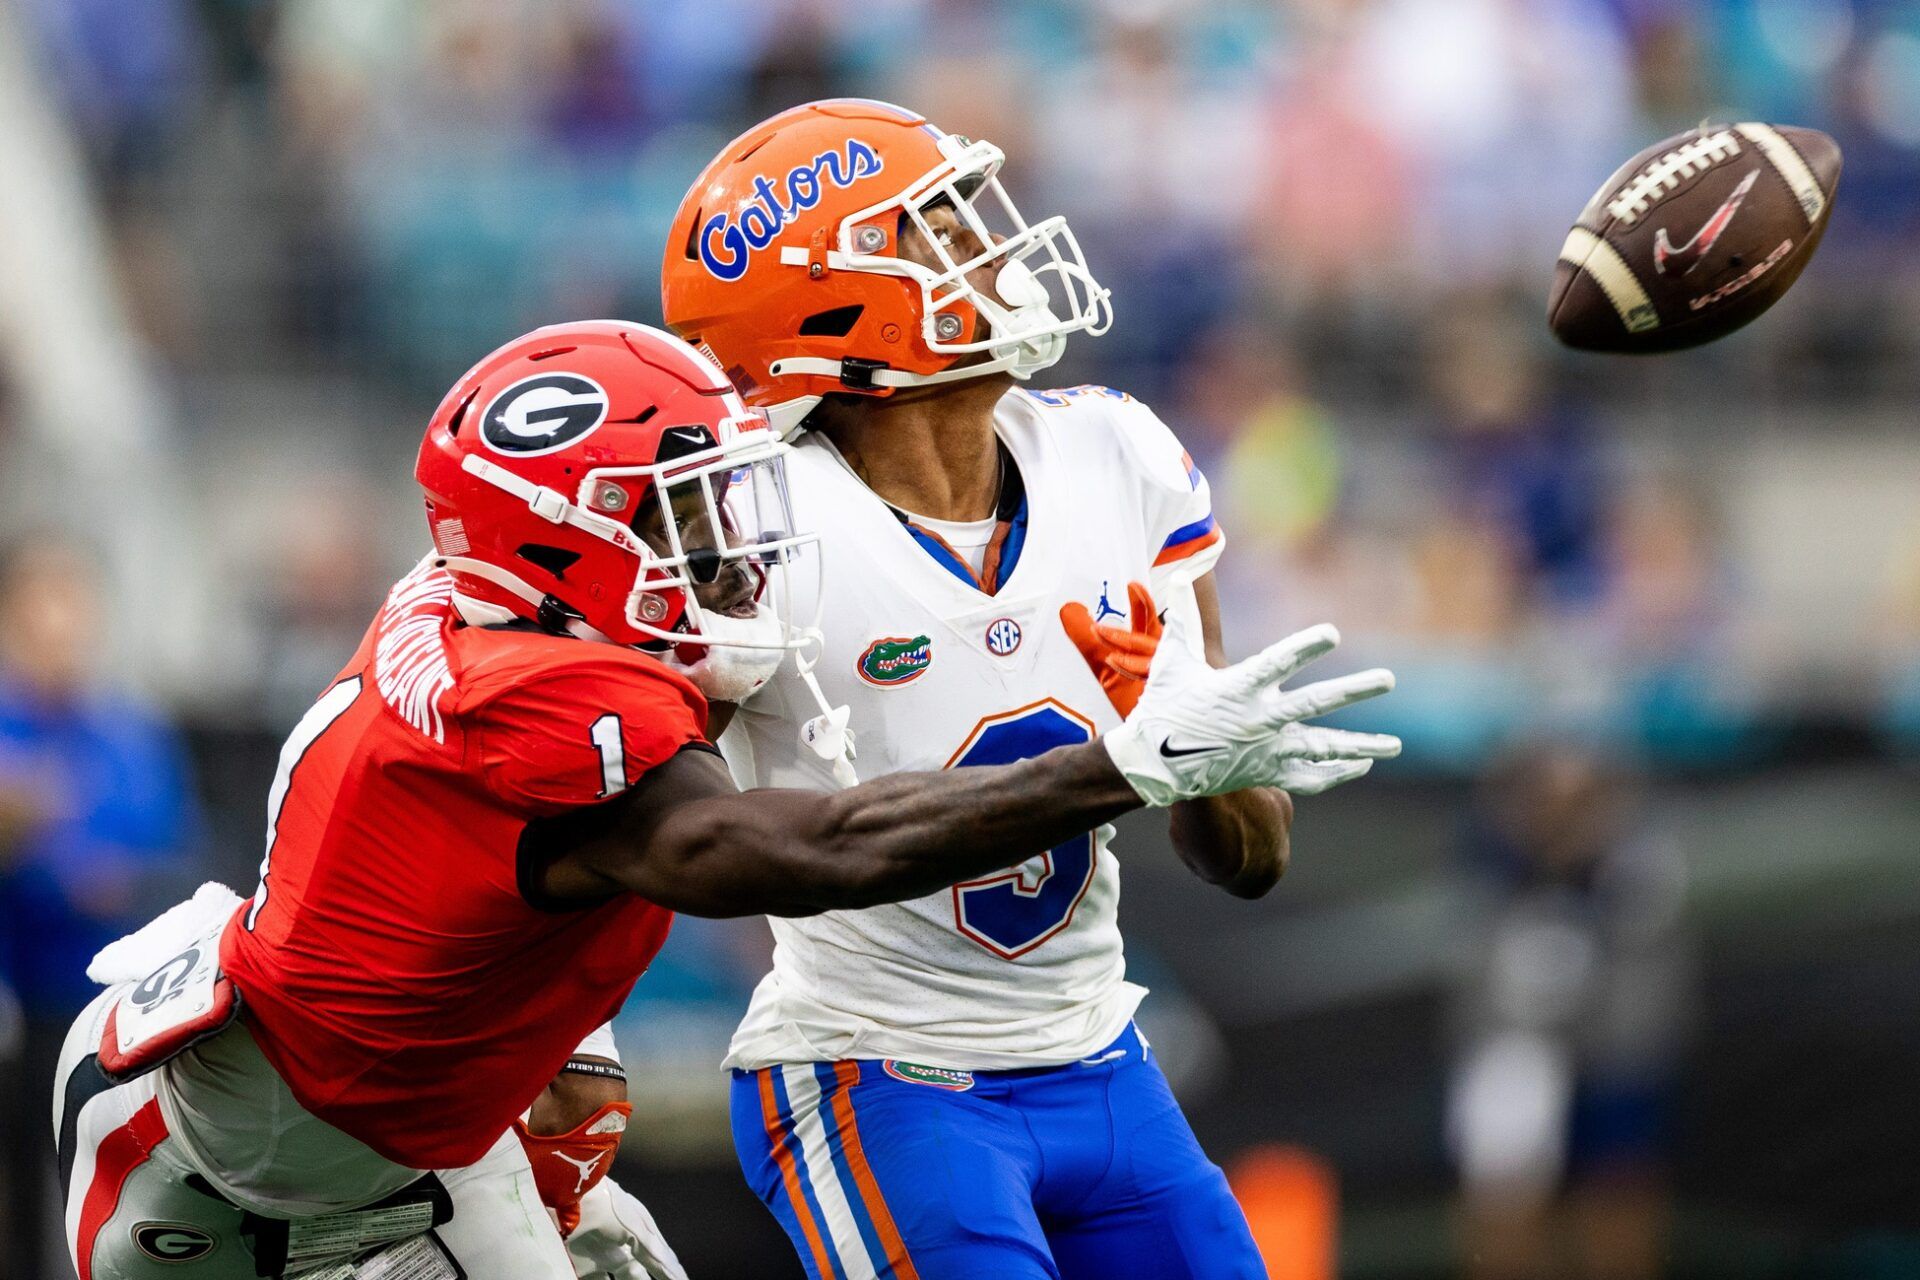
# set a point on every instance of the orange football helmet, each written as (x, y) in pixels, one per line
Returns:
(783, 262)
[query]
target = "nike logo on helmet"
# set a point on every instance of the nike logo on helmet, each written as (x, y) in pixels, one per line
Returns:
(1690, 254)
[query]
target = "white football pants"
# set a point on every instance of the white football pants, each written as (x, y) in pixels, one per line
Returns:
(134, 1211)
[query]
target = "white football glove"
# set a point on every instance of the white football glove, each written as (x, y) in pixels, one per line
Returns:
(618, 1238)
(1198, 731)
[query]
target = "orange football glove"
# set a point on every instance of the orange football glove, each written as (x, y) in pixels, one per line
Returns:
(568, 1165)
(1119, 656)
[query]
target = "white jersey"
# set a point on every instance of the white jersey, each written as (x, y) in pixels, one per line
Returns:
(1023, 968)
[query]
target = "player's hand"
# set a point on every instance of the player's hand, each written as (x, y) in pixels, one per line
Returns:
(1198, 731)
(1119, 656)
(617, 1237)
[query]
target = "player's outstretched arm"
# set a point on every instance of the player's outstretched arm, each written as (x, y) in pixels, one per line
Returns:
(683, 837)
(1241, 841)
(686, 838)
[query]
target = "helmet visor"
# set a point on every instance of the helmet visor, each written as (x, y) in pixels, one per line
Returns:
(718, 529)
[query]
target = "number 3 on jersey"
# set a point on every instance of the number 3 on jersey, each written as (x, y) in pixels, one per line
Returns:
(1012, 913)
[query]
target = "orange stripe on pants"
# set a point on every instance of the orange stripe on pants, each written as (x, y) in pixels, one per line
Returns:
(848, 1074)
(770, 1112)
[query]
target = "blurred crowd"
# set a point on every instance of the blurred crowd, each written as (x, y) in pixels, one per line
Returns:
(1327, 225)
(1231, 164)
(99, 821)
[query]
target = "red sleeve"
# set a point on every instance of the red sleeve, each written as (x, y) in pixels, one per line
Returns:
(576, 733)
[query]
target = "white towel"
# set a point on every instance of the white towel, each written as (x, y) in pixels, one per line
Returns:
(152, 945)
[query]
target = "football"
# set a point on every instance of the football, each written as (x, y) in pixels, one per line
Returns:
(1693, 238)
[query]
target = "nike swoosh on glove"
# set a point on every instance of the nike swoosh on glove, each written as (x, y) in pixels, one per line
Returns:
(1119, 656)
(1199, 731)
(617, 1237)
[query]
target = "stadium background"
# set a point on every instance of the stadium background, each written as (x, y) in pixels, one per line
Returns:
(1622, 959)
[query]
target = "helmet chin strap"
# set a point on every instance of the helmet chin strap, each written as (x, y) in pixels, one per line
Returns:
(787, 417)
(499, 577)
(1023, 357)
(482, 613)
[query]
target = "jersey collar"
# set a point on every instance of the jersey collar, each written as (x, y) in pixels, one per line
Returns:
(1009, 533)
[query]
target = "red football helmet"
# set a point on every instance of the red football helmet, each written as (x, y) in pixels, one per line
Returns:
(591, 476)
(784, 261)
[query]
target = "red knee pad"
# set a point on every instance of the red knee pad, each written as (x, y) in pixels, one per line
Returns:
(566, 1166)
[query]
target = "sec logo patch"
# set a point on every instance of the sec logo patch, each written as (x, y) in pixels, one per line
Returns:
(1003, 637)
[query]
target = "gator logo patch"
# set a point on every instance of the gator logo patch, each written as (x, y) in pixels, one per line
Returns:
(895, 660)
(935, 1077)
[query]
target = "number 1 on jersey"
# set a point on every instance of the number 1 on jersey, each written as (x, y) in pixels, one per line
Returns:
(605, 735)
(1015, 911)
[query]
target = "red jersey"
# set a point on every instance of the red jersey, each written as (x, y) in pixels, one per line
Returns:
(392, 971)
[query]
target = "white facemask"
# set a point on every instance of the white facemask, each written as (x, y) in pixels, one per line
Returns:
(727, 671)
(1022, 311)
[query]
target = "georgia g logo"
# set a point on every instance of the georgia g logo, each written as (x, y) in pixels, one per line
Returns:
(543, 413)
(165, 983)
(726, 244)
(172, 1241)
